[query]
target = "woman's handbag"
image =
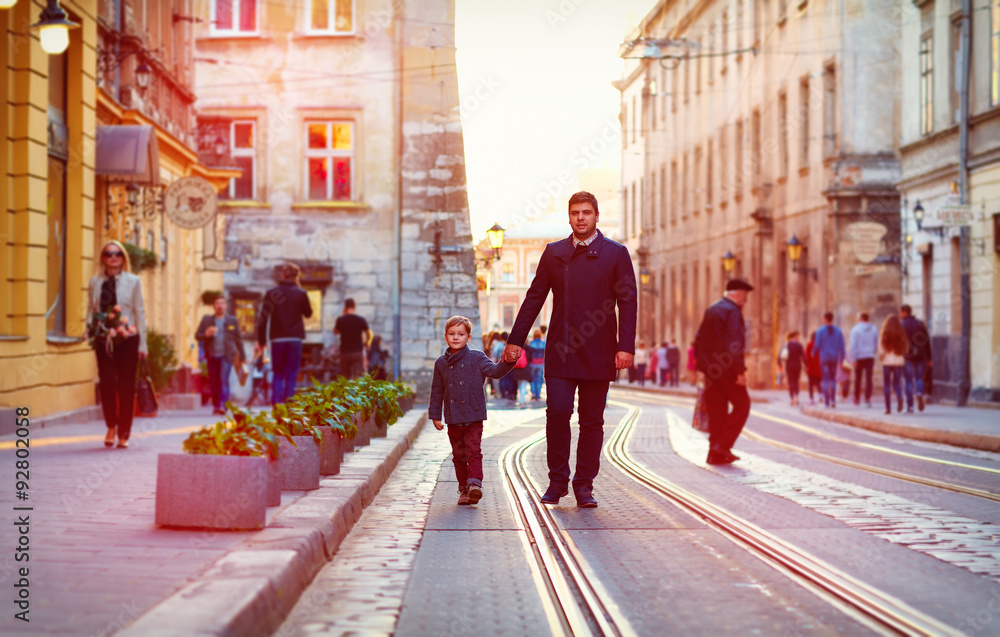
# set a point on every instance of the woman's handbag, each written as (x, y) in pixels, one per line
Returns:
(146, 403)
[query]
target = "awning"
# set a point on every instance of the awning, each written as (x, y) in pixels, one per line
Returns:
(128, 153)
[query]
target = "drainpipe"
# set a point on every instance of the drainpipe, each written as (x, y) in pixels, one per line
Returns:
(397, 218)
(965, 380)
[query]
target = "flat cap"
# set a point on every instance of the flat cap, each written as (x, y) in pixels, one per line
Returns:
(738, 284)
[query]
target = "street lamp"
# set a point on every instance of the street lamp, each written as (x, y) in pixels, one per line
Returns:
(7, 4)
(795, 248)
(53, 28)
(728, 263)
(645, 276)
(143, 75)
(495, 235)
(918, 215)
(132, 192)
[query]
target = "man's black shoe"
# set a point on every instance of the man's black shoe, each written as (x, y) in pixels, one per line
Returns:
(585, 499)
(719, 457)
(553, 493)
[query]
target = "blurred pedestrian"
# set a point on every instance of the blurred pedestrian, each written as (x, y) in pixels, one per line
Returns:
(919, 357)
(220, 335)
(720, 345)
(892, 349)
(354, 336)
(495, 355)
(663, 362)
(795, 361)
(116, 293)
(674, 362)
(692, 366)
(641, 362)
(536, 362)
(864, 346)
(378, 359)
(829, 344)
(260, 385)
(814, 372)
(281, 321)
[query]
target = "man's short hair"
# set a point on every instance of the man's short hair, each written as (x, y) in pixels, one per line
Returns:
(906, 309)
(583, 197)
(544, 329)
(864, 316)
(828, 316)
(503, 336)
(290, 271)
(457, 320)
(350, 305)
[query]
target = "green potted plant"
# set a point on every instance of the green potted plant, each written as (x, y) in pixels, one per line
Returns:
(386, 406)
(219, 483)
(263, 427)
(333, 420)
(300, 451)
(405, 395)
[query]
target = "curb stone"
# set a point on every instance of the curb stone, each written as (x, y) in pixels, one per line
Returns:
(250, 590)
(982, 442)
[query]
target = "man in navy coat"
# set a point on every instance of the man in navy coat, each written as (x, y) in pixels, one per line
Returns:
(590, 276)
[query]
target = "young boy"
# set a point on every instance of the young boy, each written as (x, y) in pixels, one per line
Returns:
(458, 385)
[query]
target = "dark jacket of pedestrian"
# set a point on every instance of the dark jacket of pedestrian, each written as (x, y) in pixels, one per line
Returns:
(458, 385)
(720, 344)
(674, 357)
(587, 284)
(920, 340)
(233, 343)
(281, 313)
(796, 356)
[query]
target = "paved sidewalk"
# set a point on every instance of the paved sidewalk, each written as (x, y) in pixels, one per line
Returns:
(970, 427)
(98, 563)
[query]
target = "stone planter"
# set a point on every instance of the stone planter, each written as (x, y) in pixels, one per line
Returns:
(300, 464)
(275, 480)
(381, 427)
(211, 492)
(365, 428)
(330, 452)
(405, 403)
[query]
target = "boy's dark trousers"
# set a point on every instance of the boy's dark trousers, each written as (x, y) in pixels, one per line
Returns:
(467, 452)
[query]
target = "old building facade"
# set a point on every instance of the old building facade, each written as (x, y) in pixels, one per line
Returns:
(745, 123)
(343, 118)
(929, 35)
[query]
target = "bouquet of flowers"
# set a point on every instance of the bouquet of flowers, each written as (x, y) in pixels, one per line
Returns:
(108, 329)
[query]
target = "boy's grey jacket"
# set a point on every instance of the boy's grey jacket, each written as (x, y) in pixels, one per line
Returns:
(458, 385)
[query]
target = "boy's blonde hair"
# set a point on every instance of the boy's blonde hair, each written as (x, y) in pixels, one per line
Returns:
(458, 320)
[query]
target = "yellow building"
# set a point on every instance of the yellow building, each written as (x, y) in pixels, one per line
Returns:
(58, 210)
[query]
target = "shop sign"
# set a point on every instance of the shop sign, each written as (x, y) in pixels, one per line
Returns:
(190, 202)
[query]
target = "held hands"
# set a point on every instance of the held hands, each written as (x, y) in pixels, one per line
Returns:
(623, 360)
(438, 425)
(511, 353)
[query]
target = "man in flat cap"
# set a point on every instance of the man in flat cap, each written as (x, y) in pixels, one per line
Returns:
(719, 347)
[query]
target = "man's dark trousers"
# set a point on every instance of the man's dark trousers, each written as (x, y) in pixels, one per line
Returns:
(725, 426)
(863, 366)
(352, 364)
(559, 410)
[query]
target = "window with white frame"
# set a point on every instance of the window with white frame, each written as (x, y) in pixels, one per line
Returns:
(243, 148)
(508, 270)
(233, 17)
(329, 160)
(331, 16)
(927, 83)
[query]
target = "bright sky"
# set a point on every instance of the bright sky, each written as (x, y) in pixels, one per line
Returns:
(537, 102)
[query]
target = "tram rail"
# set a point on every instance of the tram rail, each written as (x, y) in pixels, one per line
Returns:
(908, 477)
(845, 591)
(576, 604)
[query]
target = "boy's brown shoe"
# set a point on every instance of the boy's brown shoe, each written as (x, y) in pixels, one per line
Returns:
(463, 495)
(475, 493)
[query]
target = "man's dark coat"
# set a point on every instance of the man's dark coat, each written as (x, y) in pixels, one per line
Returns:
(720, 343)
(587, 284)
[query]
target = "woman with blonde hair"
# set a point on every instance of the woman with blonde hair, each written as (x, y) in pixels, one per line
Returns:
(117, 294)
(892, 348)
